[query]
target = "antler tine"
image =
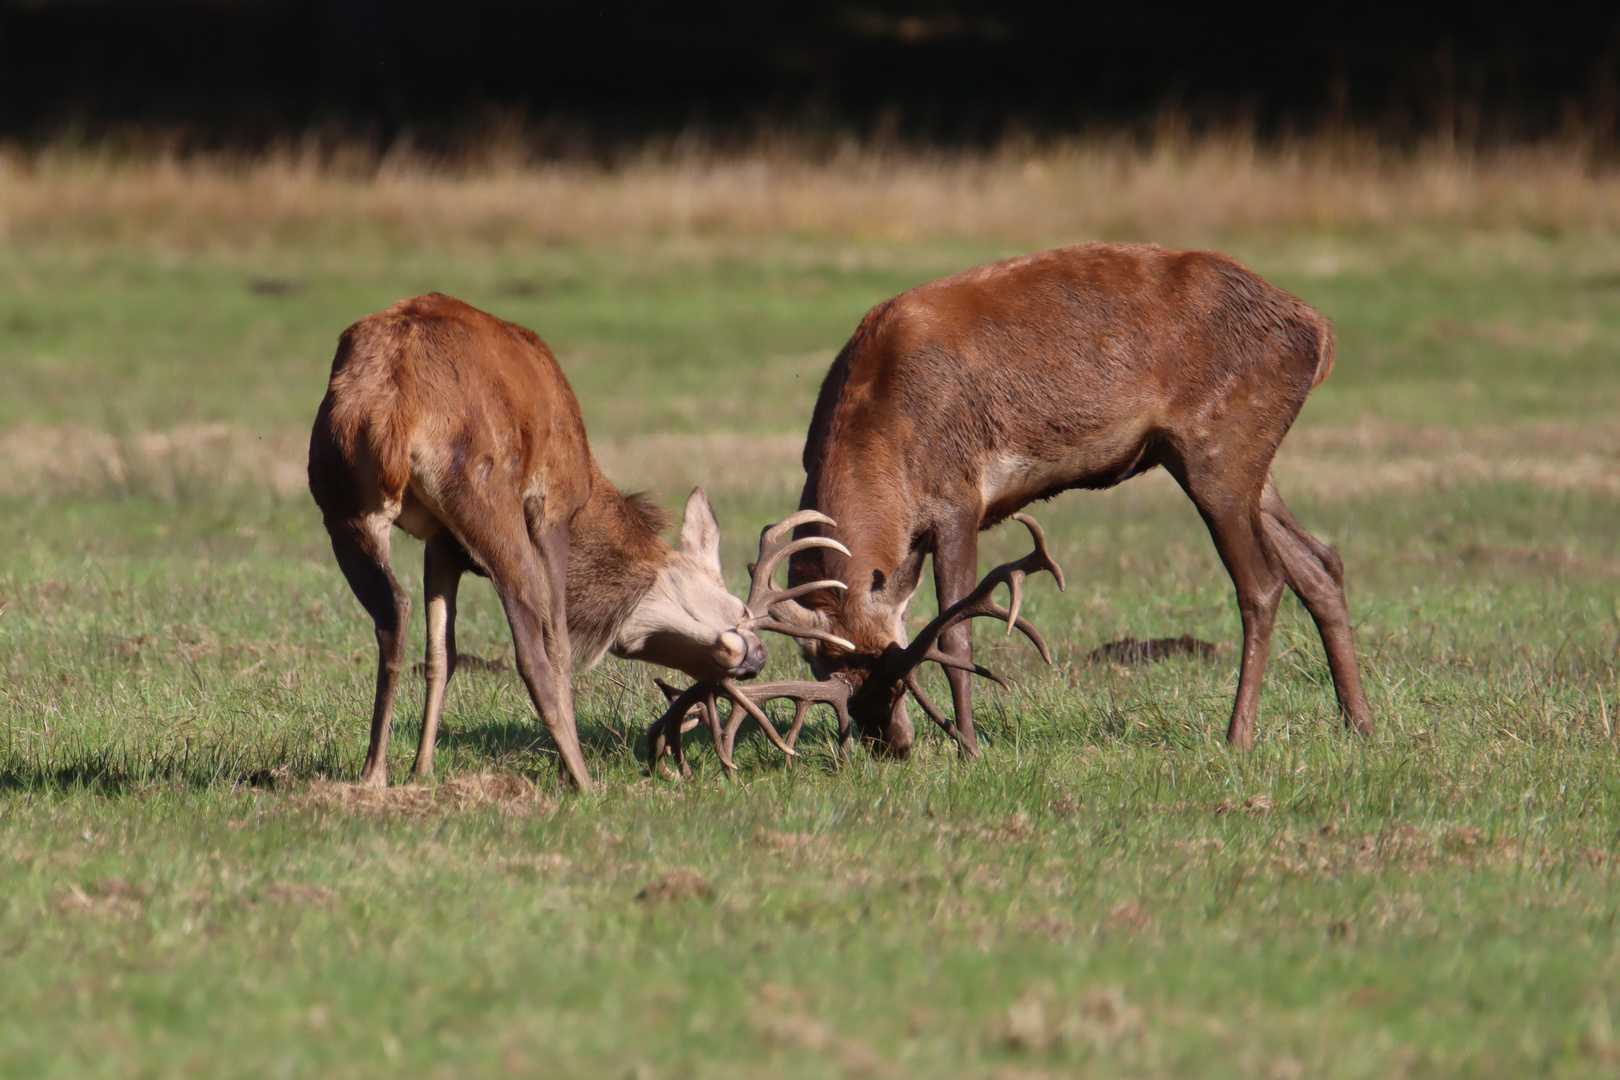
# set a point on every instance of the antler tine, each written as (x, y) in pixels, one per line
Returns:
(797, 518)
(711, 711)
(801, 709)
(981, 605)
(946, 660)
(773, 548)
(762, 593)
(1047, 563)
(780, 627)
(681, 702)
(914, 685)
(981, 601)
(671, 693)
(741, 696)
(797, 591)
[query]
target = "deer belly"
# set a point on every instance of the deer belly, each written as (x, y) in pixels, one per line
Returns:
(1010, 480)
(416, 517)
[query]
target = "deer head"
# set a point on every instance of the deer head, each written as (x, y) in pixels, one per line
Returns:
(866, 688)
(883, 670)
(686, 619)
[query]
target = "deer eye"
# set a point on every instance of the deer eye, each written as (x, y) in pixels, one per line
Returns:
(878, 581)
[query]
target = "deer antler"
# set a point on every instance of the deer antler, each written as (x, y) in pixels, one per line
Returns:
(981, 602)
(703, 698)
(664, 736)
(699, 696)
(763, 593)
(900, 667)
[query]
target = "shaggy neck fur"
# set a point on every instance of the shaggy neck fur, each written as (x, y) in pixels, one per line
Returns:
(615, 555)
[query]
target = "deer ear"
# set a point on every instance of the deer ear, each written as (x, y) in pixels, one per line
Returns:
(700, 532)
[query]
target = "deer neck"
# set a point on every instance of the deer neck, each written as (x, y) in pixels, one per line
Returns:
(615, 554)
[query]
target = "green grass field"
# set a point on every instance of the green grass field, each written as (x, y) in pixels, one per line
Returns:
(185, 890)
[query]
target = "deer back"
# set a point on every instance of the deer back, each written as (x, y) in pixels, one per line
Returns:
(442, 403)
(1073, 367)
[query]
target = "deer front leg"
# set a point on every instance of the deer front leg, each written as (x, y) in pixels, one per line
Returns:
(442, 566)
(528, 615)
(956, 567)
(553, 552)
(530, 599)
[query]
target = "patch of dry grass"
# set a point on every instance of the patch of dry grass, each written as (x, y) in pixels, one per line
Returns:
(57, 458)
(510, 792)
(1327, 463)
(1172, 186)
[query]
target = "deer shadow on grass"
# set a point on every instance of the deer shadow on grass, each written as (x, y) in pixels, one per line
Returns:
(606, 734)
(117, 770)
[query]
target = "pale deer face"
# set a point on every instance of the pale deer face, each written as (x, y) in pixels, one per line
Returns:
(688, 620)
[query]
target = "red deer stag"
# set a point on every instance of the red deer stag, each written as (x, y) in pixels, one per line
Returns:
(460, 428)
(961, 400)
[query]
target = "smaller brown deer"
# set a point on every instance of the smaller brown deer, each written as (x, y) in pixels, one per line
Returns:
(461, 429)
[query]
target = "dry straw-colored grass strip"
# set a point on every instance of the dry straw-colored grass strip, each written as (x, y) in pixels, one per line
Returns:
(1175, 186)
(1326, 463)
(46, 458)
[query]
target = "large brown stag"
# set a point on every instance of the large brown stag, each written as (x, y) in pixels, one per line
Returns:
(962, 400)
(461, 429)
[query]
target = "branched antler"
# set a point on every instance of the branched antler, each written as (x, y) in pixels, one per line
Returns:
(899, 667)
(703, 698)
(981, 602)
(763, 593)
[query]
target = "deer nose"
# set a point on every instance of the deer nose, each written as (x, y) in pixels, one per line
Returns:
(733, 652)
(754, 663)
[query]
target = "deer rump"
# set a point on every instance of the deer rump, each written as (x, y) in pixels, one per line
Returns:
(961, 400)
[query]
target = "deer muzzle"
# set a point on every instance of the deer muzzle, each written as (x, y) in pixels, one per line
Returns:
(744, 653)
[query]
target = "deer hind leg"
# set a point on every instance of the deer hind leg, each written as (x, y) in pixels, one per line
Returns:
(361, 546)
(1316, 574)
(443, 563)
(956, 567)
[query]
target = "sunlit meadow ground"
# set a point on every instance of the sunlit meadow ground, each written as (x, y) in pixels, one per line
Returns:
(187, 889)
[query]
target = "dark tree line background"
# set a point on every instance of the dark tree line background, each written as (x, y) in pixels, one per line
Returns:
(242, 73)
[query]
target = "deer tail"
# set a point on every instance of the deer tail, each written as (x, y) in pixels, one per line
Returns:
(1324, 352)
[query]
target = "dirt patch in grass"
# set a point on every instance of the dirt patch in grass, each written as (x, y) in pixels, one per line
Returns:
(676, 883)
(506, 791)
(783, 1020)
(296, 894)
(110, 897)
(1257, 805)
(1097, 1020)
